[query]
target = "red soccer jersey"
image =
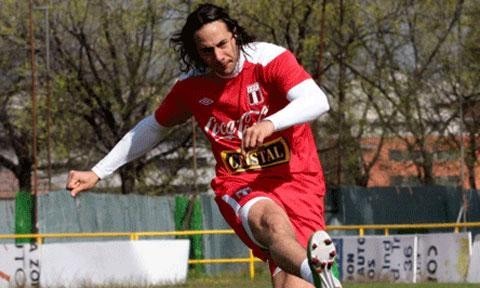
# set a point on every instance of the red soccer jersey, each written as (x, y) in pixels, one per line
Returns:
(224, 108)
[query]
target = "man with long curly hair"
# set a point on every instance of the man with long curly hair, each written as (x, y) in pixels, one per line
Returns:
(253, 101)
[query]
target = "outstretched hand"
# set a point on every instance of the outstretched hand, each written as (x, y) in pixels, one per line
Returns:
(79, 181)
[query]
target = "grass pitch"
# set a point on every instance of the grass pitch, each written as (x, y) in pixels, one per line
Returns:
(262, 280)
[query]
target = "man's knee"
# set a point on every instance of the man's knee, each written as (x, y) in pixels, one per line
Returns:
(264, 220)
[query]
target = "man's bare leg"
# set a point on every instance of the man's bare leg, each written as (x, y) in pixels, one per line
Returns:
(271, 227)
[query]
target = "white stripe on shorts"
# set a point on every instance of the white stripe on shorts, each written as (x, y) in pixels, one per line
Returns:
(242, 213)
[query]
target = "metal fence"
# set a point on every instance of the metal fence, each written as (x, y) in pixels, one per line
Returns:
(249, 259)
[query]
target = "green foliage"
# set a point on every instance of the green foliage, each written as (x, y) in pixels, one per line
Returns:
(390, 68)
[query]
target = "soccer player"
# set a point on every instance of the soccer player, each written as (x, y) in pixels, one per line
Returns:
(253, 101)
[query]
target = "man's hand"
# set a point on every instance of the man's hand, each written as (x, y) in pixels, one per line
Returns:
(79, 181)
(254, 135)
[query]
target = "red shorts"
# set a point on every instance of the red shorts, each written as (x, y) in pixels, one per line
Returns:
(302, 198)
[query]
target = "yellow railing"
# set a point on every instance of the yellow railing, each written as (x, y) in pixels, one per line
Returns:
(250, 259)
(387, 227)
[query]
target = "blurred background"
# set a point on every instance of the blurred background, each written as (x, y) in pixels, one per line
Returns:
(401, 143)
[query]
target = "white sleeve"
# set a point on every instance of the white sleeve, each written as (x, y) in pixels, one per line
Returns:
(307, 102)
(138, 141)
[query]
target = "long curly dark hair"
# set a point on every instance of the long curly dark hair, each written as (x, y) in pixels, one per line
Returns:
(183, 41)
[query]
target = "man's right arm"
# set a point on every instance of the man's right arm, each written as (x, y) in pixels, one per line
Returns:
(138, 141)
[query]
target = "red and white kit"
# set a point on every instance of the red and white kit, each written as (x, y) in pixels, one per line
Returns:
(285, 168)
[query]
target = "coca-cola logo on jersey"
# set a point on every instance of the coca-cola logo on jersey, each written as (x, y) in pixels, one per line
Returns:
(233, 129)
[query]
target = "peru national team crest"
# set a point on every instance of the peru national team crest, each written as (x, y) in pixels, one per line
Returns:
(255, 96)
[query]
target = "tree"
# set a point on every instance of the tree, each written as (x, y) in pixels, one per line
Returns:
(15, 106)
(397, 69)
(112, 62)
(398, 66)
(460, 71)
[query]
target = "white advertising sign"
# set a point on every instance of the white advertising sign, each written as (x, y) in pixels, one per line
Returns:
(443, 257)
(19, 265)
(377, 258)
(134, 263)
(474, 267)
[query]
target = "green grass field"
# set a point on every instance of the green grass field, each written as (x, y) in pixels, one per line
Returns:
(262, 281)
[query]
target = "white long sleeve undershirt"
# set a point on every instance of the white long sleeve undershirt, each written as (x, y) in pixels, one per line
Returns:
(138, 141)
(307, 102)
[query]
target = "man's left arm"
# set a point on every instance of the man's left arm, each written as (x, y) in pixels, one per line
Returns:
(306, 102)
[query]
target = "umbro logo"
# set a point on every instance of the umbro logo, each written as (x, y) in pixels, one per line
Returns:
(205, 101)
